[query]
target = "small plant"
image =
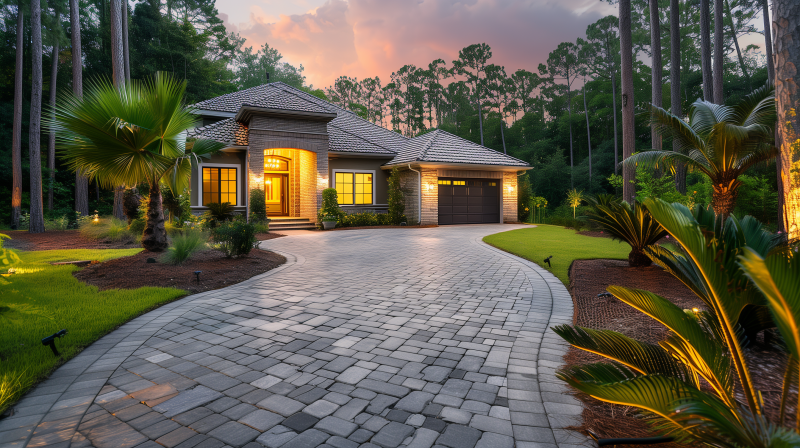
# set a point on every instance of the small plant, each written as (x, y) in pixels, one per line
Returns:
(634, 225)
(234, 238)
(184, 244)
(11, 384)
(261, 227)
(216, 214)
(60, 223)
(397, 203)
(574, 199)
(330, 204)
(258, 205)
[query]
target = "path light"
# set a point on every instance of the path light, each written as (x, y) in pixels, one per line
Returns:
(51, 341)
(695, 310)
(604, 295)
(197, 274)
(547, 260)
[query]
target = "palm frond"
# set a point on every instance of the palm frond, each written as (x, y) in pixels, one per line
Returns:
(756, 108)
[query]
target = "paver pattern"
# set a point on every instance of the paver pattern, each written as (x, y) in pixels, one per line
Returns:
(370, 338)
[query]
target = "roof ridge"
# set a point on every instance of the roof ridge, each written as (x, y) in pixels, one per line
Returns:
(428, 145)
(482, 146)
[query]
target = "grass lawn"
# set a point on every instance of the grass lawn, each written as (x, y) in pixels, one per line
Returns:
(41, 299)
(565, 245)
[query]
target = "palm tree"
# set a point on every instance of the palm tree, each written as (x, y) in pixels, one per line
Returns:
(81, 181)
(628, 119)
(130, 136)
(721, 142)
(118, 75)
(35, 124)
(632, 224)
(16, 140)
(787, 59)
(574, 199)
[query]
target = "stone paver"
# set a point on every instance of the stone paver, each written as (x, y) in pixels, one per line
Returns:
(389, 337)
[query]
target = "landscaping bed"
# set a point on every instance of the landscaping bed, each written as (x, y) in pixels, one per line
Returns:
(217, 271)
(590, 278)
(60, 239)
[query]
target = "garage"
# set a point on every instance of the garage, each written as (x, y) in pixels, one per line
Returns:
(469, 201)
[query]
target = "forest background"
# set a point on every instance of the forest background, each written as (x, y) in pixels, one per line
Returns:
(563, 117)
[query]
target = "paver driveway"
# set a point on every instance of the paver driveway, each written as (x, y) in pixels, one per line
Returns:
(366, 338)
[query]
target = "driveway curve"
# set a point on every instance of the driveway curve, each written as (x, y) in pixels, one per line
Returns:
(386, 337)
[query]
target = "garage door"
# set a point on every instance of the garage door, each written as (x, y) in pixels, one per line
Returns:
(469, 201)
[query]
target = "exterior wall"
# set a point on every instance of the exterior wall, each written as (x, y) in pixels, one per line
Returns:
(510, 197)
(430, 197)
(229, 158)
(380, 180)
(309, 154)
(410, 186)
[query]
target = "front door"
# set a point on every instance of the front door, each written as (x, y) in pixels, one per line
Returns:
(276, 190)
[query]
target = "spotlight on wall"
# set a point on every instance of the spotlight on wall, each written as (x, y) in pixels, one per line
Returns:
(429, 186)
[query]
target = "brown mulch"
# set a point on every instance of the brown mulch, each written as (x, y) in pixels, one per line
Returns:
(217, 271)
(591, 277)
(59, 239)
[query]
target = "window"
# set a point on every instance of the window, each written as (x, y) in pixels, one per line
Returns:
(219, 185)
(459, 182)
(444, 182)
(353, 188)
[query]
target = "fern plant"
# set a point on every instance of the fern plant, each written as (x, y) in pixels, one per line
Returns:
(634, 225)
(689, 382)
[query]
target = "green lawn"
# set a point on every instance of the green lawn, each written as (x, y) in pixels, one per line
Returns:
(40, 299)
(565, 245)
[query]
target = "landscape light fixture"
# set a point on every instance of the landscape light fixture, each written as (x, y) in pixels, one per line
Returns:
(50, 341)
(604, 295)
(547, 260)
(197, 274)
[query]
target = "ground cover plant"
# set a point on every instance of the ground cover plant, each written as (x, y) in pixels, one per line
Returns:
(565, 245)
(41, 299)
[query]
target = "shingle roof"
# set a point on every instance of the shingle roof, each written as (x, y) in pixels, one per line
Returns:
(266, 95)
(223, 131)
(442, 146)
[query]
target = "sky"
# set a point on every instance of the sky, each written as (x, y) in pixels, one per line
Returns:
(366, 38)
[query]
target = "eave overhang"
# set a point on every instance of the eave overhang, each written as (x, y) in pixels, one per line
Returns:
(246, 112)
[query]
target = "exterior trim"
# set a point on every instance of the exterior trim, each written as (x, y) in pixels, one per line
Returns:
(247, 111)
(332, 183)
(200, 167)
(214, 113)
(460, 166)
(354, 155)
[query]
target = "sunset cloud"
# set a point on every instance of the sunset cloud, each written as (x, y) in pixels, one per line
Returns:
(364, 38)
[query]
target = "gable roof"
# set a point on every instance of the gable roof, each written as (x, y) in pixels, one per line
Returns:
(442, 146)
(224, 131)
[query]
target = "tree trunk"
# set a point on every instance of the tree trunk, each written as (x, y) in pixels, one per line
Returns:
(628, 119)
(35, 126)
(723, 198)
(786, 26)
(16, 139)
(719, 58)
(675, 83)
(569, 115)
(771, 79)
(154, 237)
(51, 144)
(736, 44)
(125, 53)
(502, 135)
(705, 50)
(616, 127)
(118, 68)
(588, 134)
(81, 182)
(658, 67)
(638, 259)
(480, 115)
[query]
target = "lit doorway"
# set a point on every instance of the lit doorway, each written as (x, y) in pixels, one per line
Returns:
(276, 185)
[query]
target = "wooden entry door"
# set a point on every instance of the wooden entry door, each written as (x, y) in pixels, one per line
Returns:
(276, 190)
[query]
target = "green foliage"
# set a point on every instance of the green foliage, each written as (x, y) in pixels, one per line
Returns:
(691, 382)
(330, 205)
(136, 227)
(107, 229)
(87, 313)
(396, 199)
(234, 238)
(365, 219)
(538, 208)
(217, 213)
(632, 224)
(758, 198)
(574, 199)
(131, 203)
(184, 244)
(524, 197)
(258, 205)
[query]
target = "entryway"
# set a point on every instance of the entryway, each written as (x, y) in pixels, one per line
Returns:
(276, 192)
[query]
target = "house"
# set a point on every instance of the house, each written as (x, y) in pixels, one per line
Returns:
(293, 145)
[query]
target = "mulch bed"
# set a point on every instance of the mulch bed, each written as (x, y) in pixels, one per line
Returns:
(217, 271)
(59, 239)
(590, 278)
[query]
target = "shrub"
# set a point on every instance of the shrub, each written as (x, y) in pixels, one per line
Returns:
(216, 214)
(330, 205)
(111, 229)
(131, 202)
(184, 244)
(234, 238)
(261, 226)
(136, 227)
(60, 223)
(258, 206)
(364, 219)
(397, 203)
(634, 225)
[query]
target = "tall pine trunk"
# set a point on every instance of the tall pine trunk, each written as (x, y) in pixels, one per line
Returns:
(51, 144)
(675, 82)
(569, 115)
(81, 182)
(154, 237)
(771, 79)
(705, 50)
(588, 134)
(125, 52)
(628, 119)
(35, 126)
(719, 58)
(658, 66)
(736, 45)
(16, 139)
(786, 26)
(614, 105)
(118, 68)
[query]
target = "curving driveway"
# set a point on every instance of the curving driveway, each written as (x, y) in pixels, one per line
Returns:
(390, 337)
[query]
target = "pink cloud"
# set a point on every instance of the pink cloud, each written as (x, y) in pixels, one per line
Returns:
(364, 38)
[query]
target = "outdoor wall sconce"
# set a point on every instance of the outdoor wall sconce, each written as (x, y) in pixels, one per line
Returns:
(429, 186)
(50, 341)
(547, 260)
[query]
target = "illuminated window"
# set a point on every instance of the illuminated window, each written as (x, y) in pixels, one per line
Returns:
(492, 184)
(219, 185)
(444, 182)
(353, 188)
(459, 182)
(275, 164)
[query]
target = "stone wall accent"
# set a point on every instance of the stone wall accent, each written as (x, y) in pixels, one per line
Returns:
(410, 185)
(430, 197)
(510, 197)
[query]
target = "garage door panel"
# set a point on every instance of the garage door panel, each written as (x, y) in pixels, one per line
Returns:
(469, 201)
